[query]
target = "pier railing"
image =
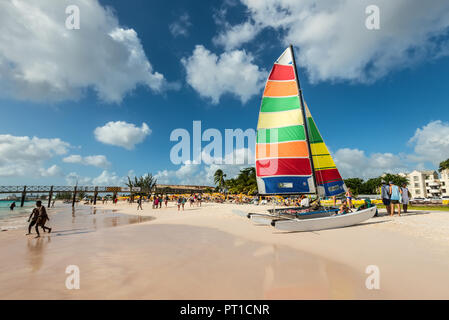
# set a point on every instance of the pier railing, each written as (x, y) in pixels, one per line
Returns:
(158, 189)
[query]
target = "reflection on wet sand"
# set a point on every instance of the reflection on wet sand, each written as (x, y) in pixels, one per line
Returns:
(87, 217)
(36, 248)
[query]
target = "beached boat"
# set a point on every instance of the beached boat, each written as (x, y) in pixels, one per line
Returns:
(292, 158)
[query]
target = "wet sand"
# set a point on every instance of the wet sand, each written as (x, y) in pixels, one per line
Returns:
(210, 253)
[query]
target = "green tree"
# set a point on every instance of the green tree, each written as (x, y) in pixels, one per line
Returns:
(355, 184)
(219, 179)
(396, 178)
(147, 183)
(444, 165)
(371, 186)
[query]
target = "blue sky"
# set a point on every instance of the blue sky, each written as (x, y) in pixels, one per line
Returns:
(379, 97)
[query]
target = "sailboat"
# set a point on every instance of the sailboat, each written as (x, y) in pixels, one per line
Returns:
(292, 158)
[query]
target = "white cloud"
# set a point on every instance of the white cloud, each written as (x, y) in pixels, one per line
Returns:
(200, 174)
(122, 134)
(431, 143)
(41, 60)
(232, 72)
(333, 41)
(355, 163)
(236, 35)
(181, 26)
(52, 171)
(96, 161)
(106, 178)
(25, 156)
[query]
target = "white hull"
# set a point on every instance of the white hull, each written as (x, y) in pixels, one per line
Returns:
(240, 213)
(337, 221)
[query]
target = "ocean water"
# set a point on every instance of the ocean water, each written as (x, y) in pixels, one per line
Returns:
(14, 219)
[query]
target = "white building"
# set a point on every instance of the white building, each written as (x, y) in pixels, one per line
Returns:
(428, 184)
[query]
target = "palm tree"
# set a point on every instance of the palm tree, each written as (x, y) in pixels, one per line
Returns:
(219, 179)
(147, 183)
(444, 165)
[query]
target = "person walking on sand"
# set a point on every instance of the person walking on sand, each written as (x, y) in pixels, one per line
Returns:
(12, 206)
(385, 195)
(349, 198)
(155, 202)
(42, 218)
(33, 217)
(139, 203)
(405, 197)
(160, 202)
(166, 200)
(179, 202)
(183, 203)
(395, 198)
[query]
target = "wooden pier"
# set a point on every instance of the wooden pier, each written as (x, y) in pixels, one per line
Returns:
(96, 190)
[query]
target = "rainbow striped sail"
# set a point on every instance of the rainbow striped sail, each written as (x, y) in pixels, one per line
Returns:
(284, 148)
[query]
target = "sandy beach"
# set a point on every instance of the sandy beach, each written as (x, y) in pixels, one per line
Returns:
(210, 253)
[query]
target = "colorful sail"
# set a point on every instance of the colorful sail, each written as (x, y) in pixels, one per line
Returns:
(283, 163)
(327, 176)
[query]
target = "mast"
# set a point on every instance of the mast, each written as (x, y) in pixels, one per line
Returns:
(304, 117)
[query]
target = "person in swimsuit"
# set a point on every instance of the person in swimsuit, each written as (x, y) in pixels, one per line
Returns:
(12, 206)
(395, 196)
(349, 198)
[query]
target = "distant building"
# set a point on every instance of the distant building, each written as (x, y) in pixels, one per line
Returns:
(428, 183)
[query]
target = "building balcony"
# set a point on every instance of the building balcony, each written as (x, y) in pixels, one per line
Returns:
(434, 184)
(434, 191)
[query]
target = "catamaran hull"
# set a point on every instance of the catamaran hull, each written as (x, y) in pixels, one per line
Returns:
(333, 222)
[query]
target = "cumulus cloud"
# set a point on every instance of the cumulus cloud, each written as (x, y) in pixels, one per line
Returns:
(333, 41)
(25, 156)
(430, 146)
(431, 143)
(52, 171)
(180, 27)
(122, 134)
(106, 178)
(42, 60)
(203, 174)
(231, 72)
(96, 161)
(355, 163)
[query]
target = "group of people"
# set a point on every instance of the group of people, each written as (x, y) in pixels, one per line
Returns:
(393, 196)
(38, 218)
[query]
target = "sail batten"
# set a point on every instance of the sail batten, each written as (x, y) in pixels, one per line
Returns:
(289, 159)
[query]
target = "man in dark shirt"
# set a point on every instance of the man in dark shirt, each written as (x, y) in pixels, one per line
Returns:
(39, 218)
(385, 194)
(33, 217)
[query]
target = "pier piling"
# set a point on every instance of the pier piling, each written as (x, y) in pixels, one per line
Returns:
(74, 197)
(50, 196)
(24, 192)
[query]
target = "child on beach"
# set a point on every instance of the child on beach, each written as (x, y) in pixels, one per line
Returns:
(349, 198)
(344, 208)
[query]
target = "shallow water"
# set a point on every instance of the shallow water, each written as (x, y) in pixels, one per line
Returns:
(14, 219)
(66, 220)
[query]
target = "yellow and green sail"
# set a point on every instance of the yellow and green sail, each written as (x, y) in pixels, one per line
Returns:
(283, 153)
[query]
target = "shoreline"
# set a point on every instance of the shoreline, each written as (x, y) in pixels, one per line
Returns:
(206, 245)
